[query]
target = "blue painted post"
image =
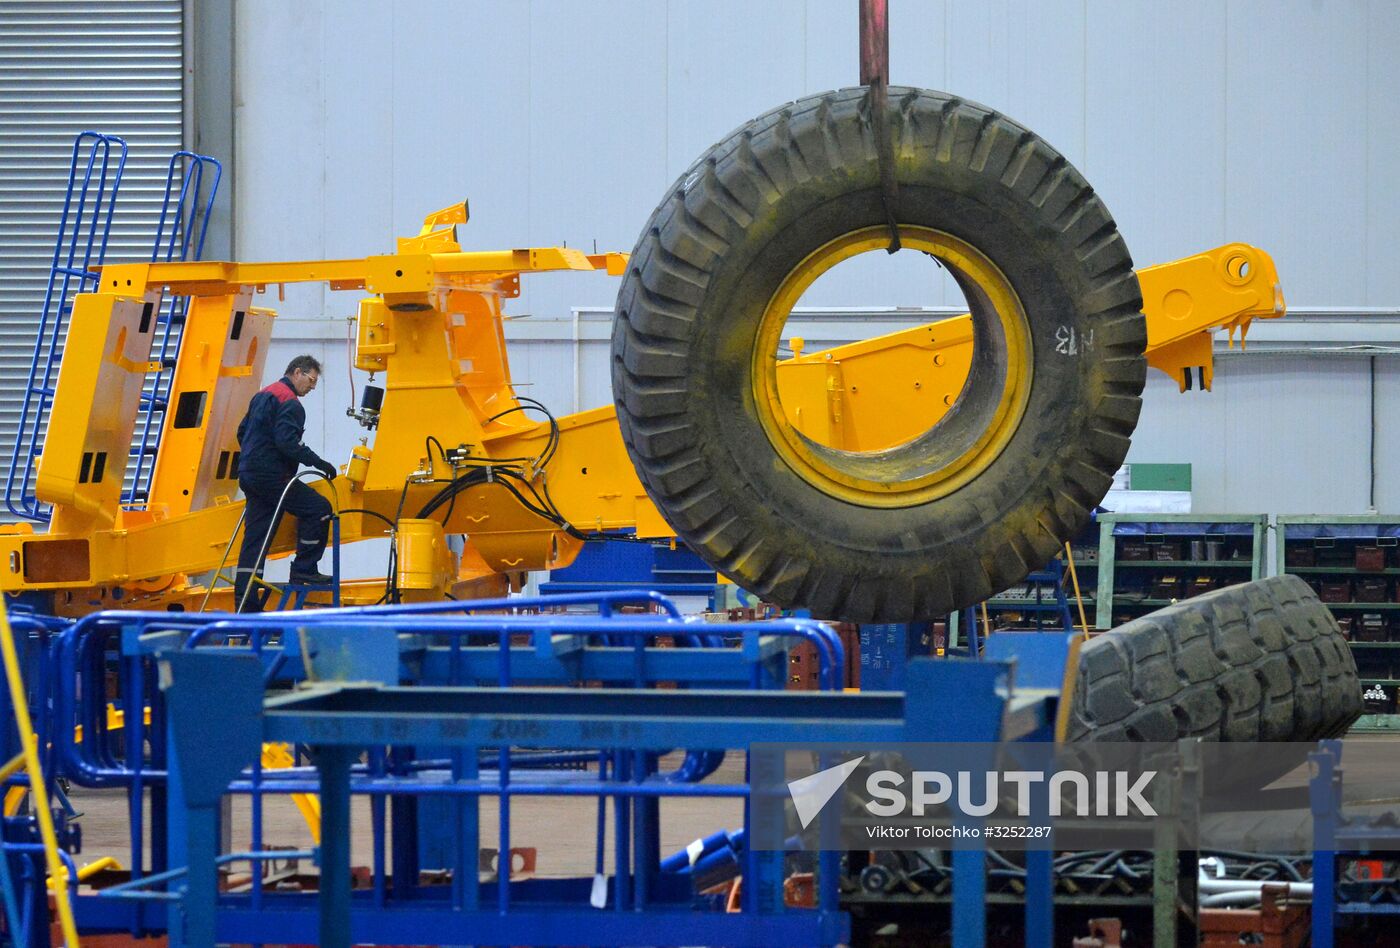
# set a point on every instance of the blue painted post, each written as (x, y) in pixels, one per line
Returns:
(969, 898)
(403, 821)
(333, 765)
(1040, 899)
(1324, 792)
(193, 842)
(178, 841)
(469, 824)
(202, 882)
(885, 650)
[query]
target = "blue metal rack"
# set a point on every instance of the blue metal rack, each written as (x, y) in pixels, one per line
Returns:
(94, 177)
(1337, 835)
(462, 719)
(23, 874)
(184, 223)
(626, 564)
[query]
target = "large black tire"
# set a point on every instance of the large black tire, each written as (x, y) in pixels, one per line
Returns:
(742, 219)
(1262, 661)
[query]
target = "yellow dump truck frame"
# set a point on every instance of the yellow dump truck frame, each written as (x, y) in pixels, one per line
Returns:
(432, 326)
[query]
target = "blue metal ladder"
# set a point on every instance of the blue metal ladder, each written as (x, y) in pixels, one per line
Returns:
(81, 246)
(1053, 574)
(294, 593)
(188, 225)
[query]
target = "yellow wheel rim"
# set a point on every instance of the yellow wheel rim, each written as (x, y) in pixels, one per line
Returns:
(928, 467)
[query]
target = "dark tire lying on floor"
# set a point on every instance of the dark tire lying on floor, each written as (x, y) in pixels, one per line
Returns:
(1261, 661)
(1027, 449)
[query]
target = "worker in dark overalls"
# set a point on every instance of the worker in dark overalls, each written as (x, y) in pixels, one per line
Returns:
(269, 439)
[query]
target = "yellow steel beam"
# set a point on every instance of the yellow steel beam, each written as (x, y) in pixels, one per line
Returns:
(884, 391)
(436, 331)
(385, 274)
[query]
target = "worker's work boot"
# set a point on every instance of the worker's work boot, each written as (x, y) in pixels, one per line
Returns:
(310, 579)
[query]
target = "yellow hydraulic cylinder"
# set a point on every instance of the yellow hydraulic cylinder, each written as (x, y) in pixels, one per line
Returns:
(424, 561)
(358, 468)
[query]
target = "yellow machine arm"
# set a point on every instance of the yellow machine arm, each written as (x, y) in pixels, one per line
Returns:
(451, 449)
(842, 397)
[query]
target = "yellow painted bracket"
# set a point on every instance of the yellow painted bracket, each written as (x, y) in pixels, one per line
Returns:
(279, 757)
(1186, 300)
(457, 213)
(86, 872)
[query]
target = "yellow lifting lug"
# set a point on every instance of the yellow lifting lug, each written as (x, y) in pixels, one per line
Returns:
(1186, 300)
(439, 231)
(457, 213)
(614, 263)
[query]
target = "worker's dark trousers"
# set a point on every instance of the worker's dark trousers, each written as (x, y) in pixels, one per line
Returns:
(313, 517)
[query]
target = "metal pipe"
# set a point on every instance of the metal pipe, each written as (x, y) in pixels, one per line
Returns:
(1246, 897)
(1212, 886)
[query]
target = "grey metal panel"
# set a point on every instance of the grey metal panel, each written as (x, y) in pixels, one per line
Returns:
(281, 140)
(564, 127)
(106, 65)
(1277, 435)
(918, 44)
(210, 51)
(1296, 94)
(1387, 447)
(469, 65)
(727, 62)
(1155, 124)
(597, 153)
(1199, 122)
(1383, 146)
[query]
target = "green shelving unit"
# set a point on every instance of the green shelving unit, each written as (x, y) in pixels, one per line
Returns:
(1215, 549)
(1324, 552)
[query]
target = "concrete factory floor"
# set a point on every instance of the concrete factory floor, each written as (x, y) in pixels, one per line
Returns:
(561, 829)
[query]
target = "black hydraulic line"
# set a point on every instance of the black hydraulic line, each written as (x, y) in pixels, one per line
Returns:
(371, 513)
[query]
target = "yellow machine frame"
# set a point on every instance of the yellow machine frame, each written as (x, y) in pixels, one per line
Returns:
(433, 326)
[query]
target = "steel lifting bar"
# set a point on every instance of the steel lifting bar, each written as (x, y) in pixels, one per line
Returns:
(78, 249)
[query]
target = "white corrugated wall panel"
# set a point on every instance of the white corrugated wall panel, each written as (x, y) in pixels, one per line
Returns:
(114, 66)
(1198, 121)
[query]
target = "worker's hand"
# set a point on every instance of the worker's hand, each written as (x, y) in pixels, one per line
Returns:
(328, 469)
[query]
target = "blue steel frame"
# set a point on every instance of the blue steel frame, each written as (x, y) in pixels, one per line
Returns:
(1333, 836)
(477, 749)
(607, 565)
(23, 874)
(75, 254)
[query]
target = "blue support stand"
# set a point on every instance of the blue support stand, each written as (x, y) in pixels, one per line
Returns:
(455, 716)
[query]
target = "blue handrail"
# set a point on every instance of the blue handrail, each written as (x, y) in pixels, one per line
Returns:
(80, 247)
(189, 225)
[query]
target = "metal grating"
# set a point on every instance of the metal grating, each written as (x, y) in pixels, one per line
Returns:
(116, 66)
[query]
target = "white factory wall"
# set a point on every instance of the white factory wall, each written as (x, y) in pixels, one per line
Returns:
(1253, 120)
